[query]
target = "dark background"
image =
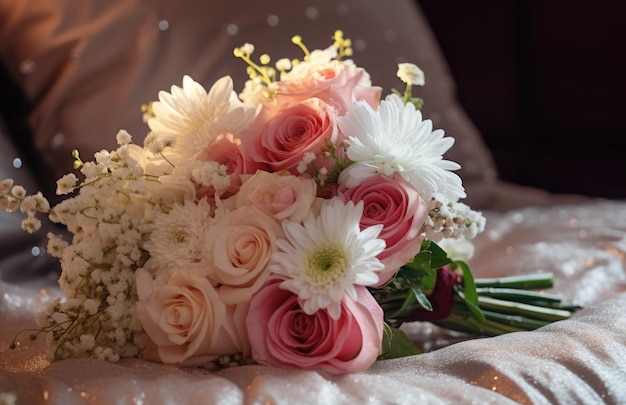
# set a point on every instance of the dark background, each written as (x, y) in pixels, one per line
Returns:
(543, 80)
(545, 83)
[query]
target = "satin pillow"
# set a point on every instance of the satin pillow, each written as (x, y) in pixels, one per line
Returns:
(88, 66)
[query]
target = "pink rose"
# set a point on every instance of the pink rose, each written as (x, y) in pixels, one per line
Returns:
(283, 335)
(238, 248)
(396, 205)
(280, 195)
(185, 319)
(336, 82)
(226, 151)
(284, 132)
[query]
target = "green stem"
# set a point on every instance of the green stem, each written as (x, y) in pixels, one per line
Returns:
(526, 282)
(515, 294)
(494, 324)
(468, 324)
(526, 323)
(531, 311)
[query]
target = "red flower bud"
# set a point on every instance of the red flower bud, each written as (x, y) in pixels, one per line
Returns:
(441, 297)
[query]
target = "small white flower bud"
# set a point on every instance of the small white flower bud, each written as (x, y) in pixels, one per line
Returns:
(410, 74)
(123, 137)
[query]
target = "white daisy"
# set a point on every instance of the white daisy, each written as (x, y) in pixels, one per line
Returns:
(395, 139)
(178, 235)
(326, 256)
(196, 118)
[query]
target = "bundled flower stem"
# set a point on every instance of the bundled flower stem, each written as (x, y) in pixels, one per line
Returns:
(438, 289)
(515, 309)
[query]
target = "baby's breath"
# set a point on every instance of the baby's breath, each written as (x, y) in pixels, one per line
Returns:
(110, 219)
(66, 184)
(451, 220)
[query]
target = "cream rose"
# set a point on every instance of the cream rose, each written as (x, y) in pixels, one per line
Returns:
(185, 319)
(171, 189)
(238, 248)
(280, 195)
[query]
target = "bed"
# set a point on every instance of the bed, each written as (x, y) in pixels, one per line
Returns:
(579, 360)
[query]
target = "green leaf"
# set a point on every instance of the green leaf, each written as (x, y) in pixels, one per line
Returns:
(439, 257)
(387, 343)
(419, 262)
(409, 299)
(417, 102)
(422, 300)
(469, 286)
(418, 273)
(422, 270)
(429, 280)
(476, 312)
(396, 344)
(413, 295)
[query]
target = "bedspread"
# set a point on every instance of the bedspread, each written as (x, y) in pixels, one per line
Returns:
(579, 360)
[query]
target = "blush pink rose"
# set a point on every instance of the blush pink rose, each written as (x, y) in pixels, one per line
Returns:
(396, 205)
(336, 82)
(185, 319)
(283, 335)
(284, 132)
(225, 150)
(280, 195)
(238, 248)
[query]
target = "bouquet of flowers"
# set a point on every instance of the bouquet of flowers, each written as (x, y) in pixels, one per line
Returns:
(294, 224)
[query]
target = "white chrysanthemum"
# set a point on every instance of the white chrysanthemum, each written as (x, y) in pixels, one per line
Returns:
(395, 139)
(326, 256)
(178, 235)
(195, 118)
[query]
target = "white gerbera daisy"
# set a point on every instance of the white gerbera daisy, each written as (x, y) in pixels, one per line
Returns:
(326, 256)
(395, 139)
(195, 118)
(178, 235)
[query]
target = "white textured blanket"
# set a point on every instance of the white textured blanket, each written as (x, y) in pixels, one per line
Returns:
(580, 360)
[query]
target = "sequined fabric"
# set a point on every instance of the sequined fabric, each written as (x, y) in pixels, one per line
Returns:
(579, 360)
